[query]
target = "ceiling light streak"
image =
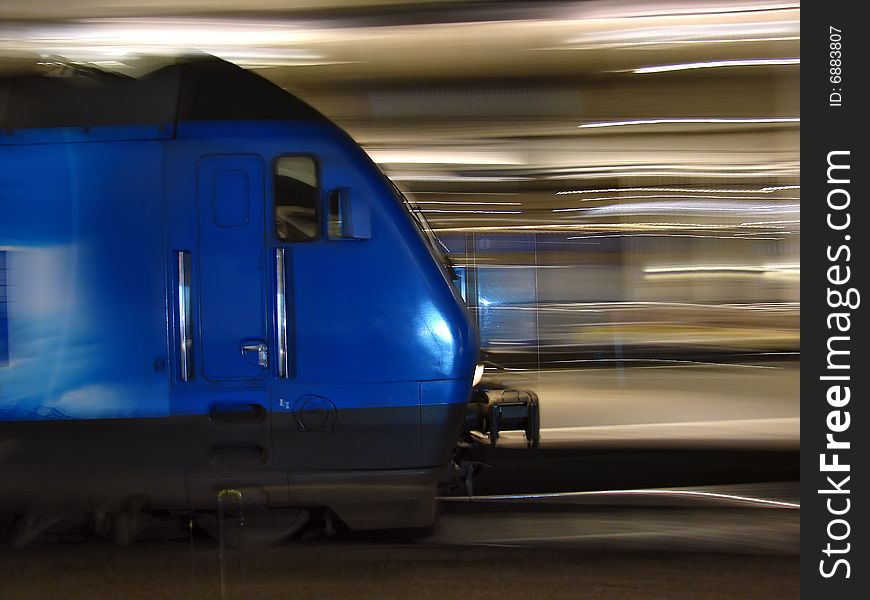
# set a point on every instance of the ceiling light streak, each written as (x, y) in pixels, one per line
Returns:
(461, 203)
(605, 227)
(671, 362)
(655, 43)
(728, 498)
(715, 64)
(454, 178)
(628, 167)
(785, 172)
(672, 235)
(477, 212)
(644, 196)
(430, 157)
(630, 304)
(417, 193)
(751, 223)
(194, 32)
(664, 10)
(685, 33)
(693, 121)
(770, 268)
(764, 190)
(683, 206)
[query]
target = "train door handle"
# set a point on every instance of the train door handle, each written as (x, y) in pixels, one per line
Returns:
(252, 347)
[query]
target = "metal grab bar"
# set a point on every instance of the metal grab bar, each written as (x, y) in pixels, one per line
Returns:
(185, 335)
(281, 312)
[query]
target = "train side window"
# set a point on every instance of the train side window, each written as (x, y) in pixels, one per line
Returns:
(297, 199)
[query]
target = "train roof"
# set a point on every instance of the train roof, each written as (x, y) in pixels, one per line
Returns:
(197, 88)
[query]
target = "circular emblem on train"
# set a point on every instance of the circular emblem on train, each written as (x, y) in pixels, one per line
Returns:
(314, 414)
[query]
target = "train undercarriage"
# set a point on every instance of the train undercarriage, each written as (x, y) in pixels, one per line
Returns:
(358, 500)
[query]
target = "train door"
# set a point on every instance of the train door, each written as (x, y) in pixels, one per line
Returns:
(232, 299)
(224, 350)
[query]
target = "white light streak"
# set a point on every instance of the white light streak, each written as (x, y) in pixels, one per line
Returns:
(461, 203)
(442, 157)
(715, 64)
(673, 235)
(608, 493)
(693, 121)
(682, 205)
(632, 11)
(754, 223)
(764, 190)
(477, 212)
(724, 173)
(579, 45)
(786, 269)
(669, 362)
(420, 192)
(629, 167)
(647, 196)
(606, 227)
(452, 178)
(594, 226)
(780, 187)
(678, 206)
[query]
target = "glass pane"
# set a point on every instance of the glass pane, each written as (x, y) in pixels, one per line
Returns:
(296, 199)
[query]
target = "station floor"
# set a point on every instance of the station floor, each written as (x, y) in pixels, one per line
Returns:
(733, 405)
(713, 546)
(98, 571)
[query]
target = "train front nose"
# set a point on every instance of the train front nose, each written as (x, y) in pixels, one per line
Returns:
(452, 349)
(449, 342)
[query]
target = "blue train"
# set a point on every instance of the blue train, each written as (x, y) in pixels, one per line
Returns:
(205, 284)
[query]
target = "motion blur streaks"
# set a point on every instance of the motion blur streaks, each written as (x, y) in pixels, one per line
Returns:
(616, 181)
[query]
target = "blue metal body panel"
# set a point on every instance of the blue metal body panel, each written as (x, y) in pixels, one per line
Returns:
(82, 230)
(88, 234)
(96, 133)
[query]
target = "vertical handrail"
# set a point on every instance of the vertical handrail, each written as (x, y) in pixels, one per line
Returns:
(281, 312)
(4, 317)
(185, 336)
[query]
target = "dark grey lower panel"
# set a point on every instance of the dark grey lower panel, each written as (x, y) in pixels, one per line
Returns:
(373, 438)
(376, 467)
(372, 499)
